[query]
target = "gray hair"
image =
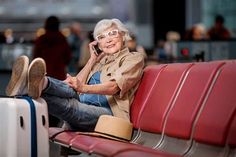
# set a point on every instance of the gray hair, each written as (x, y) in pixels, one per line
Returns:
(104, 24)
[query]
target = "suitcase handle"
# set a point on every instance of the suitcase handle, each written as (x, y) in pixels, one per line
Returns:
(21, 122)
(43, 120)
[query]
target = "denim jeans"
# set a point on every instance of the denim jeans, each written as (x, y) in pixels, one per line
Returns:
(63, 102)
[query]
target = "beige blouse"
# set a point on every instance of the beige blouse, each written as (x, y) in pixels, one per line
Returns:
(126, 68)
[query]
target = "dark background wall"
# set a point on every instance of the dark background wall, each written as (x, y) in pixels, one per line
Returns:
(168, 15)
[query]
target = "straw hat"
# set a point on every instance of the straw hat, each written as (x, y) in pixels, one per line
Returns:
(113, 128)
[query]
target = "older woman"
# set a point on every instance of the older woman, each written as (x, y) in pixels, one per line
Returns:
(106, 84)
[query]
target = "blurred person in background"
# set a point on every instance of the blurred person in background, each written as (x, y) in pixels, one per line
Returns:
(54, 49)
(196, 33)
(159, 51)
(170, 45)
(218, 31)
(135, 47)
(165, 50)
(75, 41)
(8, 33)
(84, 50)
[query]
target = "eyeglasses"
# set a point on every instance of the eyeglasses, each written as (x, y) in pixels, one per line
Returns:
(112, 34)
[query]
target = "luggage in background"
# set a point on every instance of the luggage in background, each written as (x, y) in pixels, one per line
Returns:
(23, 127)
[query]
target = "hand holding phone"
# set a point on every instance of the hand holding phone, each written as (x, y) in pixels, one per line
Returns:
(96, 49)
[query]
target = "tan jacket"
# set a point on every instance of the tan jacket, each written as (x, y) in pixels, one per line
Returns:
(126, 68)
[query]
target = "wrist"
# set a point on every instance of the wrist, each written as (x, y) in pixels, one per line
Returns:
(92, 61)
(83, 89)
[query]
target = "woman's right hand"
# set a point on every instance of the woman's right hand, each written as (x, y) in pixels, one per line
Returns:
(74, 83)
(93, 55)
(68, 79)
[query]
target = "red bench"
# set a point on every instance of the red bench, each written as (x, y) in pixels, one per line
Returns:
(180, 109)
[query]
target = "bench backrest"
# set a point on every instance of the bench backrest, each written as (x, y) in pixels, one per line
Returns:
(151, 73)
(190, 99)
(214, 121)
(159, 100)
(187, 100)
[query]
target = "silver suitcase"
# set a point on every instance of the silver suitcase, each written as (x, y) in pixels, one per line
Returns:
(23, 127)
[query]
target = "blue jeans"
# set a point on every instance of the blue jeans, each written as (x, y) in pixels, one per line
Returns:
(63, 102)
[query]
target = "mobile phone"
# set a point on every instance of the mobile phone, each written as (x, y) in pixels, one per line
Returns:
(96, 49)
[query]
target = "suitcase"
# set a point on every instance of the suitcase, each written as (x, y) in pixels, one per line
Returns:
(23, 127)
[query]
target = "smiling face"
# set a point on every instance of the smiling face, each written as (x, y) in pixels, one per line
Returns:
(110, 41)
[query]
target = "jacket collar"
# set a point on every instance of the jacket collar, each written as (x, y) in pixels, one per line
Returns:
(110, 58)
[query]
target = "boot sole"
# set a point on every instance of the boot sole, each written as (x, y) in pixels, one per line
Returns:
(36, 73)
(18, 76)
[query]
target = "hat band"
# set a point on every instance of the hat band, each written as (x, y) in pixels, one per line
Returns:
(113, 136)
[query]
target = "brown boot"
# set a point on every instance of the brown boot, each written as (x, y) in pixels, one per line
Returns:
(18, 82)
(36, 74)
